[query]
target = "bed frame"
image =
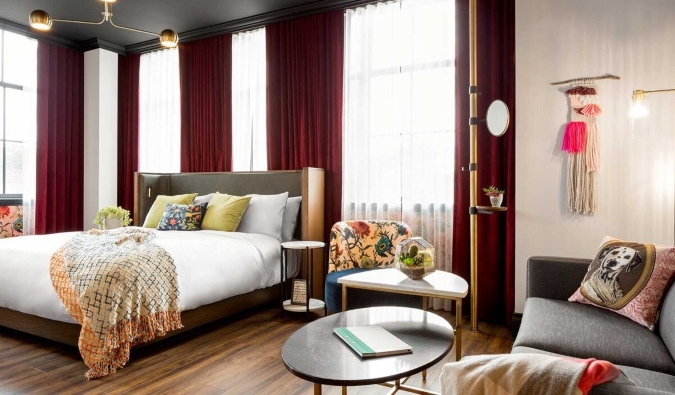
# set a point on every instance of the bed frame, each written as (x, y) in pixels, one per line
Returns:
(308, 183)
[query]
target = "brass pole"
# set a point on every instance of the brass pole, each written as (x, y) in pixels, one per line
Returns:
(473, 157)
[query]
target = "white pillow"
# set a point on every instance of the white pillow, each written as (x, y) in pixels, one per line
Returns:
(265, 215)
(203, 199)
(290, 218)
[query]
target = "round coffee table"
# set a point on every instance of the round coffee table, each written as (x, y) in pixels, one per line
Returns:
(315, 354)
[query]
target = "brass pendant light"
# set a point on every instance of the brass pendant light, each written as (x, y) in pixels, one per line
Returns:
(41, 20)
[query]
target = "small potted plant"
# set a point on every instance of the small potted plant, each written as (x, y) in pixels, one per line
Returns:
(496, 195)
(415, 258)
(112, 217)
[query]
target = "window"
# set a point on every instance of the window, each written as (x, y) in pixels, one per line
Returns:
(18, 75)
(398, 137)
(159, 112)
(249, 106)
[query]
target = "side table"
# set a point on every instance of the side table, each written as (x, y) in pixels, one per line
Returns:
(308, 247)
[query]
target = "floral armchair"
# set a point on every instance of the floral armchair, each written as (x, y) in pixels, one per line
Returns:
(365, 244)
(360, 245)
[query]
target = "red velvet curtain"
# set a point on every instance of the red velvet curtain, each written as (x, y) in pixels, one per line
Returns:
(206, 105)
(127, 129)
(60, 140)
(496, 156)
(304, 100)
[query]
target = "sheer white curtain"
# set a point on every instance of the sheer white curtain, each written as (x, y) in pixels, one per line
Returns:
(398, 139)
(20, 68)
(30, 136)
(159, 112)
(249, 106)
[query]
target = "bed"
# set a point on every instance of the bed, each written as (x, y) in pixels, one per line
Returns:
(28, 305)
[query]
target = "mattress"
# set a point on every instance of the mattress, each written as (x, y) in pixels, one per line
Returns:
(211, 266)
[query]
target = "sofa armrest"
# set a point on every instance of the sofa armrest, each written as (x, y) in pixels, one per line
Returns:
(554, 277)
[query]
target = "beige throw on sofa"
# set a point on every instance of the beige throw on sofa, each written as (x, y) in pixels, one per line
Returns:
(512, 374)
(121, 288)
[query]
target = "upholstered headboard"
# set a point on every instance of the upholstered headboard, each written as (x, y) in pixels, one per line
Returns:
(308, 183)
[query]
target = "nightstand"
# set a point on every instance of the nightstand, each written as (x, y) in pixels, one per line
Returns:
(309, 247)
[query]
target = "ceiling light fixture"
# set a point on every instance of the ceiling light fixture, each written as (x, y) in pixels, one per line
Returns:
(41, 20)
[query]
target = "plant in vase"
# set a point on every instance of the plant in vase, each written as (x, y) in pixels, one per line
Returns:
(496, 195)
(112, 217)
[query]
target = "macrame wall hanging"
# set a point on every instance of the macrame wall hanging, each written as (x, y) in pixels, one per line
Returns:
(581, 142)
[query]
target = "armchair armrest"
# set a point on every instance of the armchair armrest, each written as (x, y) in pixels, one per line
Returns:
(554, 277)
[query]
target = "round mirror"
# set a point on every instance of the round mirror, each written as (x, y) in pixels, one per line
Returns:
(497, 118)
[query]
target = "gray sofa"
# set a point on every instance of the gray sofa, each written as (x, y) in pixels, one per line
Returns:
(553, 325)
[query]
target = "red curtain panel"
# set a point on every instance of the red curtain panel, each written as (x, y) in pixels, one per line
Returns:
(127, 129)
(304, 100)
(496, 157)
(206, 104)
(60, 139)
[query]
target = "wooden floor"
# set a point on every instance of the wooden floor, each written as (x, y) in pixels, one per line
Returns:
(241, 355)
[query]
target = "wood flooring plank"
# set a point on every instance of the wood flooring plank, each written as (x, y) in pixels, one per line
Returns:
(238, 355)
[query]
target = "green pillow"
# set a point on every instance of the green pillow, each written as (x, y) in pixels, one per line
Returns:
(225, 212)
(158, 207)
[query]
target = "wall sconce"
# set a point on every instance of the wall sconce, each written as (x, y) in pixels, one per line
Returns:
(639, 111)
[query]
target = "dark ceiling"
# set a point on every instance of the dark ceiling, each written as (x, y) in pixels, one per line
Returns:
(153, 15)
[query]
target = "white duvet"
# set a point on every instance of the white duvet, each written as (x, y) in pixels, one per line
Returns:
(211, 266)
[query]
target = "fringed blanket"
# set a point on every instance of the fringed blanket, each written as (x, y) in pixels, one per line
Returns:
(524, 374)
(121, 288)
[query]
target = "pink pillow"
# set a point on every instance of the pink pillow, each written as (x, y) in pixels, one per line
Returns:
(628, 278)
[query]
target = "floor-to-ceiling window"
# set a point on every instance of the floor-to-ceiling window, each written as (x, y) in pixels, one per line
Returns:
(18, 74)
(249, 106)
(399, 117)
(18, 128)
(159, 112)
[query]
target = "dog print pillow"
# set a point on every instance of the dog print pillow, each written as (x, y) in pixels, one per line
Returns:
(629, 278)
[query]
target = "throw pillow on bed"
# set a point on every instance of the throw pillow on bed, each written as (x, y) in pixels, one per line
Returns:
(224, 212)
(157, 209)
(628, 278)
(182, 217)
(265, 215)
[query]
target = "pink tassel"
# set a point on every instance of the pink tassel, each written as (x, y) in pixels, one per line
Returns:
(591, 110)
(575, 137)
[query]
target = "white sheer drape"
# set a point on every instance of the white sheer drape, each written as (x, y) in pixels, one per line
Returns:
(159, 112)
(30, 141)
(398, 139)
(21, 55)
(249, 106)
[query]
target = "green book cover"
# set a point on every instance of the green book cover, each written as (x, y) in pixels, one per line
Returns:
(372, 341)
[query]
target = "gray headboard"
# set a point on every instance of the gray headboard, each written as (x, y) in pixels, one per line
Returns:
(308, 183)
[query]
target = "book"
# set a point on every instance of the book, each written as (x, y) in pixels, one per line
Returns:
(372, 341)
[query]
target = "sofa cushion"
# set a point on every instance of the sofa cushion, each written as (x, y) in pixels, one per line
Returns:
(632, 381)
(629, 279)
(649, 379)
(667, 321)
(359, 298)
(584, 331)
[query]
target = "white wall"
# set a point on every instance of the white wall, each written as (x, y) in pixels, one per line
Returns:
(558, 40)
(100, 132)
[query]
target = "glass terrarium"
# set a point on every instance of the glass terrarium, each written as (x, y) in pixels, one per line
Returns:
(415, 257)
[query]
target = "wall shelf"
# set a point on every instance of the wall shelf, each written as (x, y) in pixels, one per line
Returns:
(489, 209)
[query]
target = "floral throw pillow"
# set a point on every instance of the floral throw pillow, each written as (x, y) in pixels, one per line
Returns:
(182, 217)
(628, 278)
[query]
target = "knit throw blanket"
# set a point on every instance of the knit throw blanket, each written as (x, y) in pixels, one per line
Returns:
(522, 374)
(121, 288)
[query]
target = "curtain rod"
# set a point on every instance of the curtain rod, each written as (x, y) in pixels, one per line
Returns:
(581, 79)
